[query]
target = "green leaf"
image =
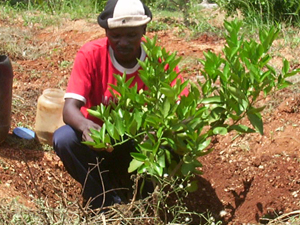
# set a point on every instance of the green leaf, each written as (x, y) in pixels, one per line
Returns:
(197, 163)
(204, 144)
(220, 130)
(119, 126)
(111, 130)
(95, 133)
(168, 156)
(203, 153)
(162, 160)
(138, 156)
(102, 132)
(286, 66)
(154, 169)
(292, 73)
(236, 92)
(217, 113)
(107, 139)
(257, 110)
(99, 145)
(256, 121)
(91, 143)
(153, 120)
(94, 113)
(131, 126)
(134, 165)
(146, 146)
(187, 158)
(138, 116)
(166, 108)
(159, 133)
(156, 147)
(129, 81)
(192, 186)
(169, 92)
(139, 99)
(194, 123)
(168, 141)
(241, 128)
(187, 168)
(211, 100)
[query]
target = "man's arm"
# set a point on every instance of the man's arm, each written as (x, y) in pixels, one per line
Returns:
(73, 117)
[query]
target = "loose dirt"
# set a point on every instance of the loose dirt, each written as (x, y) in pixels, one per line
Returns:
(246, 178)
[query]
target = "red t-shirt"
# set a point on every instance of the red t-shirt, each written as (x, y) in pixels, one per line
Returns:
(93, 72)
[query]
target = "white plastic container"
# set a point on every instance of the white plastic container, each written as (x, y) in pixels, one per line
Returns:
(49, 114)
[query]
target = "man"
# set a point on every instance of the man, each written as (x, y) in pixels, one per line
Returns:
(96, 62)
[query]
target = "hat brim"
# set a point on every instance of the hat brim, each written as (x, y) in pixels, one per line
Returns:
(130, 21)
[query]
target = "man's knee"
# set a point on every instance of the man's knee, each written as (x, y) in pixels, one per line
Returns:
(65, 137)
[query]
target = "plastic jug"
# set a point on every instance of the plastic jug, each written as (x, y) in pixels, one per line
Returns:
(6, 80)
(49, 114)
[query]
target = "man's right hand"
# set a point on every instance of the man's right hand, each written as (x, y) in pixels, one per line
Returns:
(86, 131)
(73, 117)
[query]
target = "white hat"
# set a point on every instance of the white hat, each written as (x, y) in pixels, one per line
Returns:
(124, 13)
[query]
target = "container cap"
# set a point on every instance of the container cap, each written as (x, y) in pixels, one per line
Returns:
(24, 133)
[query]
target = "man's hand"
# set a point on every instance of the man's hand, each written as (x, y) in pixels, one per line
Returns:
(86, 136)
(86, 130)
(73, 116)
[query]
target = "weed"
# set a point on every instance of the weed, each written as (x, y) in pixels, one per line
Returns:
(19, 44)
(264, 11)
(40, 19)
(65, 64)
(157, 26)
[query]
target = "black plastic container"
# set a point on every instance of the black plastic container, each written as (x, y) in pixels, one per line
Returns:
(6, 80)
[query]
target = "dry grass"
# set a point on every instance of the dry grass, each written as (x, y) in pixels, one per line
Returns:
(135, 213)
(291, 218)
(19, 43)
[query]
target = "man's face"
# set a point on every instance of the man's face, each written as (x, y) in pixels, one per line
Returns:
(125, 43)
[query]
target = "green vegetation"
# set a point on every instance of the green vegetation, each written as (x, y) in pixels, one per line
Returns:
(75, 9)
(187, 14)
(264, 11)
(257, 12)
(171, 135)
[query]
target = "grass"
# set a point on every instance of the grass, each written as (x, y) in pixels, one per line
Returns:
(202, 21)
(51, 11)
(14, 42)
(291, 218)
(12, 212)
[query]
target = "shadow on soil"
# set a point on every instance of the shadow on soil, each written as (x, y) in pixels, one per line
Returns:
(20, 149)
(206, 201)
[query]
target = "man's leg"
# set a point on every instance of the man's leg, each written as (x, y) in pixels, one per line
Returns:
(118, 163)
(79, 160)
